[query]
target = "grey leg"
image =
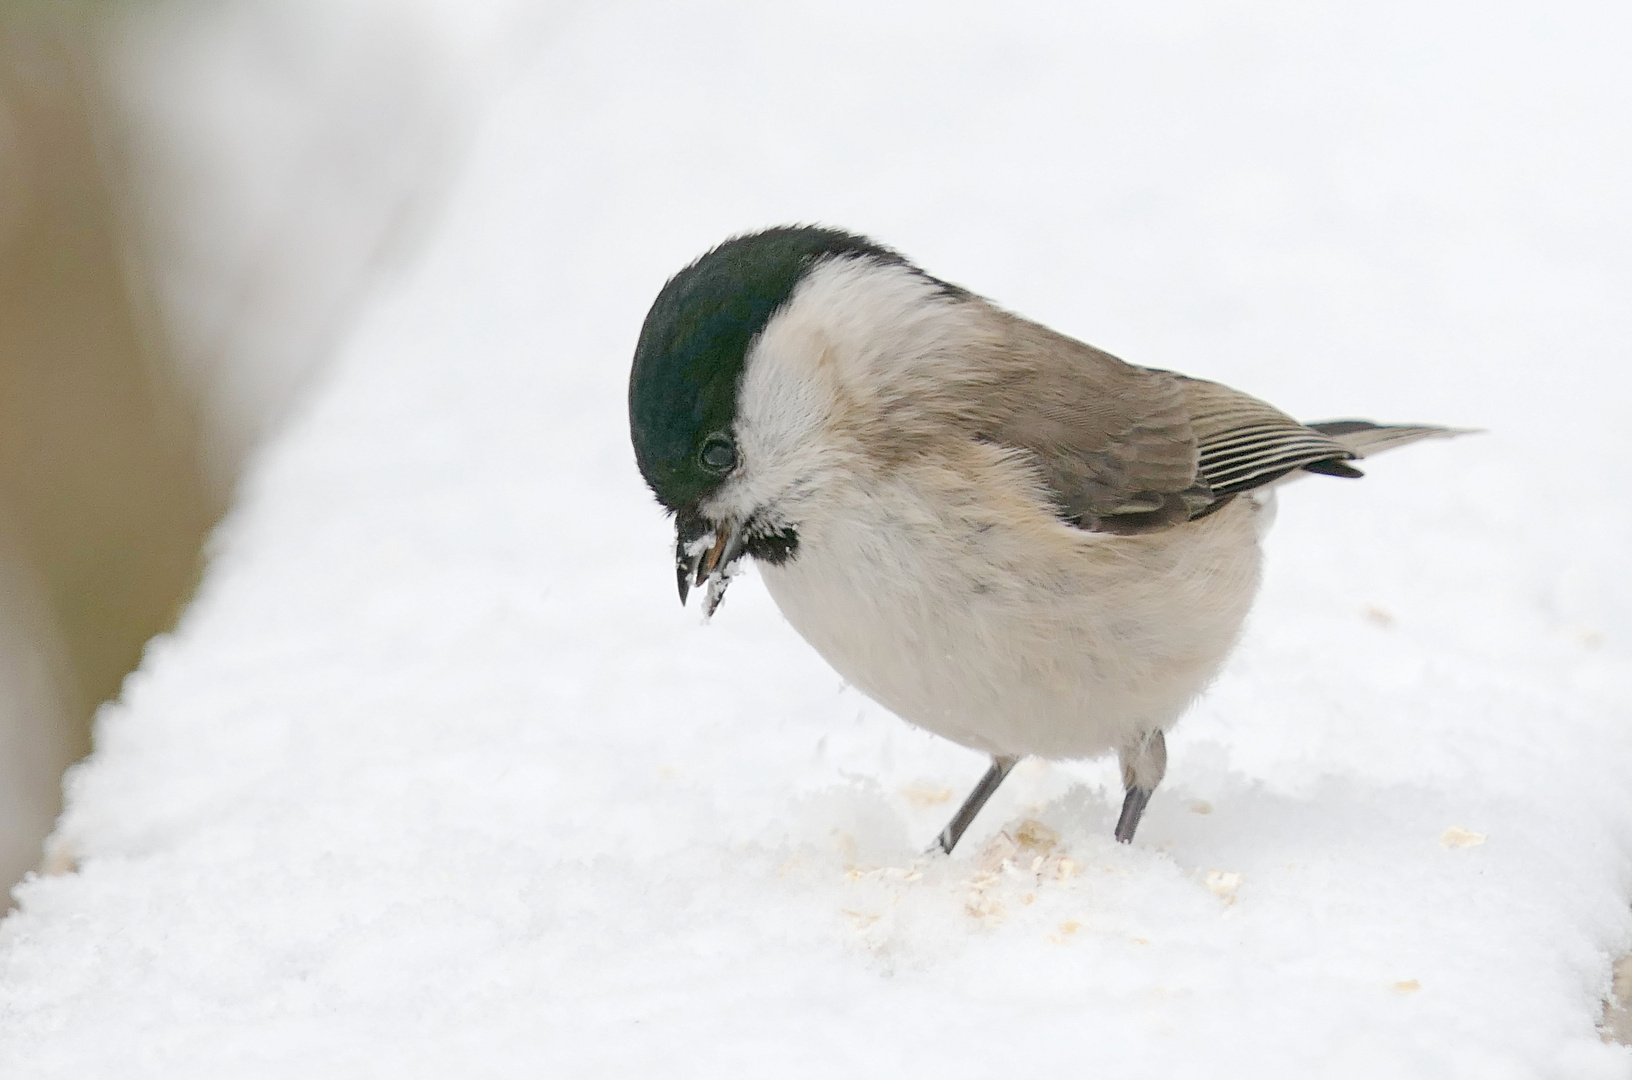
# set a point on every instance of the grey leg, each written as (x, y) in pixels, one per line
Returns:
(1143, 764)
(971, 806)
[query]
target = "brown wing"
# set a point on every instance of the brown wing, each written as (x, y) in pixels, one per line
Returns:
(1126, 449)
(1115, 442)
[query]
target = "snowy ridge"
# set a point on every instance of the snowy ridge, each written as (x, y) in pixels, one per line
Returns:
(436, 779)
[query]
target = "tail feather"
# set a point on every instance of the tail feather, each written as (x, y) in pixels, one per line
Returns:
(1363, 438)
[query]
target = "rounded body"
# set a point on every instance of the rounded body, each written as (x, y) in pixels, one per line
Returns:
(1009, 632)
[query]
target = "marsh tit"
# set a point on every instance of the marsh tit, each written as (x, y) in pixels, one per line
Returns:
(997, 532)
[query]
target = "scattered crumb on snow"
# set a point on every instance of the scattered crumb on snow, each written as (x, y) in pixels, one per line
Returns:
(1378, 616)
(1223, 884)
(922, 796)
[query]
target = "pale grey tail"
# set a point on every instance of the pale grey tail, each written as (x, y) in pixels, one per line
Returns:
(1362, 438)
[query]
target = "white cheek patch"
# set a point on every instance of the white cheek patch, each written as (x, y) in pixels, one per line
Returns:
(847, 324)
(780, 420)
(784, 402)
(783, 408)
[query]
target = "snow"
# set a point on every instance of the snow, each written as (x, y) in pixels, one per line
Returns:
(436, 778)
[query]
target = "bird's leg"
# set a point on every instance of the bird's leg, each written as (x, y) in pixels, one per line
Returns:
(971, 806)
(1143, 764)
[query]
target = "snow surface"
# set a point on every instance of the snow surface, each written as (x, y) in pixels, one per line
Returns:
(436, 779)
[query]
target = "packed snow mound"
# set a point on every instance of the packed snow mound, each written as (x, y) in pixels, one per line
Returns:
(436, 778)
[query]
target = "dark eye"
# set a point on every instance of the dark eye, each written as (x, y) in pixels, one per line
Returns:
(719, 454)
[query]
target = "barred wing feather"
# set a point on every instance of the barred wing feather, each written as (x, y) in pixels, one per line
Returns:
(1245, 443)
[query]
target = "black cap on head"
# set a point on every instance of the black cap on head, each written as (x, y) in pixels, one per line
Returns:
(695, 342)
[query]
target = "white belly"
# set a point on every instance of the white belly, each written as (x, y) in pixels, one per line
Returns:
(1036, 639)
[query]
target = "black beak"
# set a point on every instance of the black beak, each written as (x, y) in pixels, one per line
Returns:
(693, 535)
(705, 551)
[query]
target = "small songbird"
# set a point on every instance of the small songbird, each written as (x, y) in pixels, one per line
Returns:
(997, 532)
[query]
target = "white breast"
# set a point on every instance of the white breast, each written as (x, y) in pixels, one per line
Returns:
(986, 637)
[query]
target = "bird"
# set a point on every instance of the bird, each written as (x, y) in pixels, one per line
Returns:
(1001, 534)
